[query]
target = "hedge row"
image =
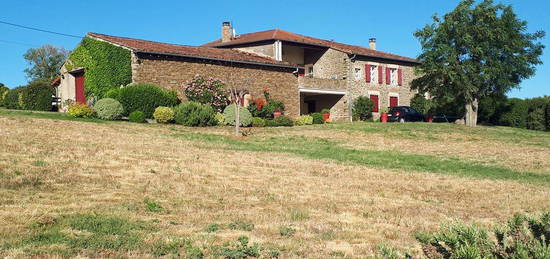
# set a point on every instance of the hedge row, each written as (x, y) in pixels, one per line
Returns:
(35, 96)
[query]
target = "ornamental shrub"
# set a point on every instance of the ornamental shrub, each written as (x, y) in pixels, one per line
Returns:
(229, 113)
(362, 108)
(137, 116)
(108, 109)
(80, 110)
(258, 122)
(209, 91)
(280, 121)
(145, 98)
(304, 120)
(194, 114)
(13, 99)
(220, 118)
(37, 96)
(163, 114)
(113, 93)
(317, 118)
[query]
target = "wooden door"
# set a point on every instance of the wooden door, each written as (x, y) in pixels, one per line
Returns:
(79, 88)
(394, 101)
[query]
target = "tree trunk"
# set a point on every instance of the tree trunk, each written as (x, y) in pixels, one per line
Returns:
(237, 120)
(471, 113)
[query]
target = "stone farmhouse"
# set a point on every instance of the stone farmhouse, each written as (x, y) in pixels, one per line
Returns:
(305, 73)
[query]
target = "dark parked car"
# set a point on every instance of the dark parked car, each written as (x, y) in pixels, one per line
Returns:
(403, 114)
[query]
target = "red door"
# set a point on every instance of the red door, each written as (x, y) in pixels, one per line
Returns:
(374, 99)
(79, 88)
(394, 101)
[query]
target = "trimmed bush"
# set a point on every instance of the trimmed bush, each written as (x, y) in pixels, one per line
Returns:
(137, 116)
(209, 91)
(145, 98)
(13, 99)
(229, 113)
(362, 108)
(220, 118)
(317, 118)
(281, 121)
(37, 96)
(108, 109)
(3, 92)
(80, 110)
(113, 93)
(163, 114)
(258, 122)
(194, 114)
(304, 120)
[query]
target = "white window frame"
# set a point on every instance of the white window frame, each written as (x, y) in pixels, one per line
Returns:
(358, 74)
(393, 76)
(374, 74)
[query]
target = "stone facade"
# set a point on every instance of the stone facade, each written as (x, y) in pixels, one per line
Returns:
(173, 73)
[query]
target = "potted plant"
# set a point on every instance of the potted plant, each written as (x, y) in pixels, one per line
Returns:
(277, 107)
(384, 114)
(326, 114)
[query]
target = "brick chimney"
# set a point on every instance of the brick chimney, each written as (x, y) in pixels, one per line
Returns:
(372, 43)
(227, 32)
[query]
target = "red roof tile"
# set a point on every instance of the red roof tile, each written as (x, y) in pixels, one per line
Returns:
(278, 34)
(181, 50)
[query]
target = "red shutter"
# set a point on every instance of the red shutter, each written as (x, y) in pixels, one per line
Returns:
(380, 74)
(367, 73)
(400, 76)
(374, 99)
(388, 75)
(394, 101)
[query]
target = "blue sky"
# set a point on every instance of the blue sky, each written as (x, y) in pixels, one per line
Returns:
(196, 22)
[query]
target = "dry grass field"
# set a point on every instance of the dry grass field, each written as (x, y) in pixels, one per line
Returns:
(109, 189)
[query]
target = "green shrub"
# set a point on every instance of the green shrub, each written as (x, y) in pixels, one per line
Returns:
(113, 93)
(3, 92)
(80, 110)
(163, 114)
(304, 120)
(108, 109)
(137, 116)
(258, 122)
(317, 118)
(362, 108)
(281, 121)
(521, 237)
(418, 102)
(229, 113)
(536, 113)
(325, 110)
(220, 119)
(145, 98)
(516, 114)
(547, 115)
(13, 99)
(194, 115)
(37, 96)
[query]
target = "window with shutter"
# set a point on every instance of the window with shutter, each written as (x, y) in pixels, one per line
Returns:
(367, 73)
(380, 74)
(374, 99)
(400, 76)
(388, 76)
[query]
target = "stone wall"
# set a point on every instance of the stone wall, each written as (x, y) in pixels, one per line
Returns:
(173, 73)
(322, 83)
(330, 64)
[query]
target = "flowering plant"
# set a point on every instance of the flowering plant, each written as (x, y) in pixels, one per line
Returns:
(208, 91)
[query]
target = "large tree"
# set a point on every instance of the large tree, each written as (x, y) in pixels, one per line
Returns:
(475, 51)
(44, 62)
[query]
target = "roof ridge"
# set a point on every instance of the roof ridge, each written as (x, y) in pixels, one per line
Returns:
(152, 41)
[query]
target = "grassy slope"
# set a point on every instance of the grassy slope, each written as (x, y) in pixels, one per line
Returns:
(317, 191)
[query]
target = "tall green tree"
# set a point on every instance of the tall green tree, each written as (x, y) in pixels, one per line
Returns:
(474, 51)
(44, 62)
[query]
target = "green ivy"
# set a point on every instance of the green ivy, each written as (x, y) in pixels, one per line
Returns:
(107, 66)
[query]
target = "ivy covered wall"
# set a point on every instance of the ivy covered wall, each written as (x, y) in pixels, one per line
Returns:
(106, 66)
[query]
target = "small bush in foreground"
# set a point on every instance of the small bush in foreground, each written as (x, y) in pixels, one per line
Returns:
(145, 98)
(229, 113)
(108, 109)
(194, 115)
(80, 110)
(137, 116)
(207, 91)
(317, 118)
(304, 120)
(362, 108)
(281, 121)
(163, 114)
(258, 122)
(112, 93)
(521, 237)
(220, 118)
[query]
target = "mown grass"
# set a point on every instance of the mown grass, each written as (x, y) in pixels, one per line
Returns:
(46, 115)
(319, 148)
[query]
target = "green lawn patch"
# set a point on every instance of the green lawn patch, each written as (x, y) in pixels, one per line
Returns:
(46, 115)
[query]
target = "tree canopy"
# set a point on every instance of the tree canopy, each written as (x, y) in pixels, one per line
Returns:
(44, 62)
(475, 51)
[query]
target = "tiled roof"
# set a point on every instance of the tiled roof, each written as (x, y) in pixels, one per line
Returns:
(189, 51)
(278, 34)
